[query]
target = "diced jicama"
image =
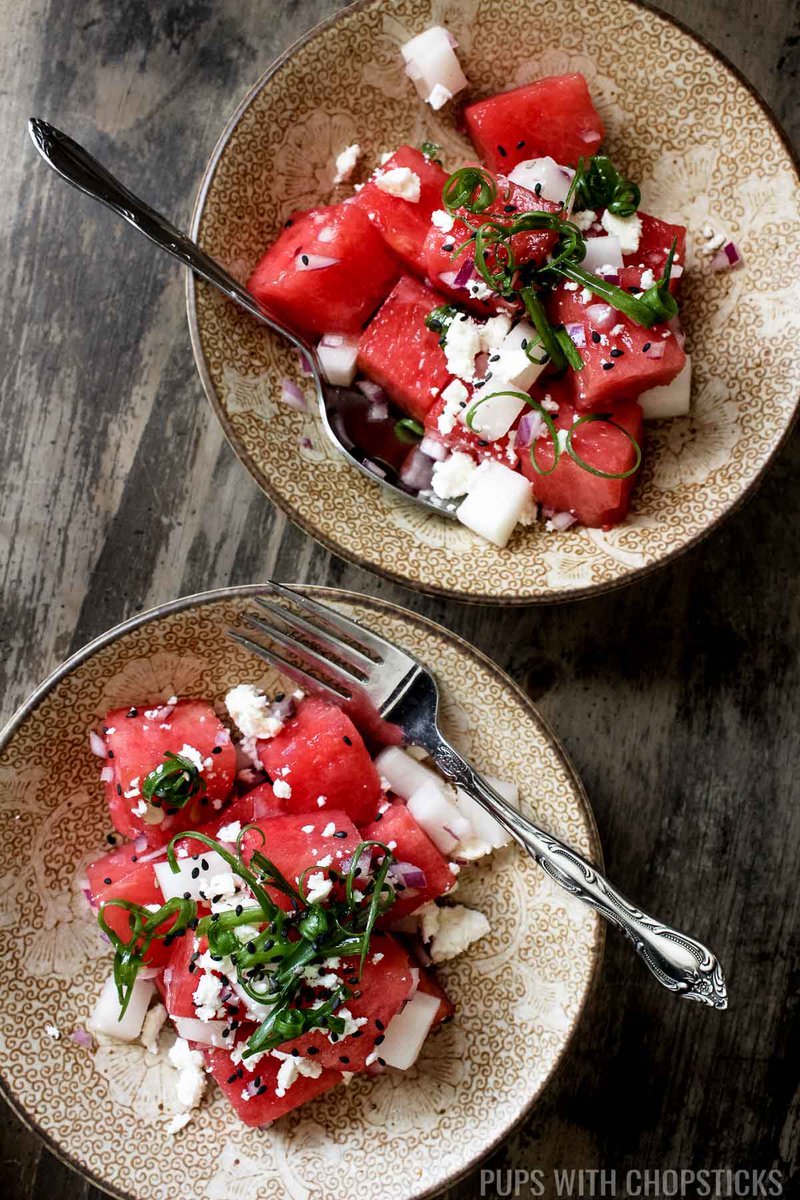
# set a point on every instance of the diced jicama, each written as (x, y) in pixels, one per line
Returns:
(205, 1033)
(184, 882)
(544, 177)
(485, 828)
(602, 252)
(498, 498)
(337, 356)
(433, 808)
(106, 1016)
(432, 64)
(493, 411)
(406, 1032)
(402, 772)
(672, 400)
(513, 358)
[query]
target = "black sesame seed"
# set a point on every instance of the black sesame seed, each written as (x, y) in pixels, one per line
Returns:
(646, 347)
(239, 910)
(380, 1038)
(261, 1090)
(495, 358)
(107, 879)
(501, 150)
(344, 1059)
(204, 863)
(312, 1050)
(509, 208)
(251, 947)
(192, 968)
(133, 712)
(382, 1061)
(357, 1033)
(634, 291)
(195, 921)
(134, 858)
(119, 790)
(538, 189)
(347, 741)
(595, 336)
(448, 246)
(286, 224)
(187, 895)
(112, 841)
(524, 343)
(216, 899)
(304, 259)
(378, 816)
(616, 353)
(195, 872)
(111, 754)
(340, 833)
(608, 366)
(520, 144)
(217, 750)
(379, 1025)
(226, 1032)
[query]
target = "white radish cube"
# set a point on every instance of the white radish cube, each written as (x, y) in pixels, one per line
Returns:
(602, 252)
(491, 413)
(403, 773)
(106, 1016)
(513, 362)
(432, 64)
(406, 1032)
(436, 813)
(552, 179)
(177, 884)
(206, 1033)
(485, 827)
(498, 498)
(672, 400)
(337, 356)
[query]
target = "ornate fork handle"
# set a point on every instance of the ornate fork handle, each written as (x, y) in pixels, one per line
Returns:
(679, 962)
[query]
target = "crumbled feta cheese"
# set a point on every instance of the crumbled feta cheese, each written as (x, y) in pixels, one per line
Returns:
(229, 833)
(53, 1032)
(223, 884)
(191, 1081)
(329, 830)
(346, 161)
(249, 710)
(399, 181)
(428, 919)
(586, 296)
(584, 220)
(326, 861)
(457, 928)
(443, 221)
(322, 801)
(193, 755)
(307, 828)
(562, 435)
(606, 269)
(133, 790)
(206, 997)
(178, 1122)
(351, 1023)
(291, 1069)
(317, 887)
(282, 789)
(479, 289)
(371, 1058)
(627, 229)
(570, 286)
(451, 477)
(151, 1028)
(462, 342)
(455, 396)
(648, 279)
(378, 957)
(439, 96)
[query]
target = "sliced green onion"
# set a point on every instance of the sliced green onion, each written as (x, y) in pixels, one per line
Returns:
(431, 151)
(569, 349)
(173, 783)
(536, 311)
(409, 431)
(471, 188)
(607, 419)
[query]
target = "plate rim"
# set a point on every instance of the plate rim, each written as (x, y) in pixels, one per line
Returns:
(244, 591)
(557, 596)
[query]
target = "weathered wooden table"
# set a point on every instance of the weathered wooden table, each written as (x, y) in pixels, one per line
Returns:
(677, 698)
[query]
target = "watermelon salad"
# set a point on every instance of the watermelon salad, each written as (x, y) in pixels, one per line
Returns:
(277, 894)
(516, 317)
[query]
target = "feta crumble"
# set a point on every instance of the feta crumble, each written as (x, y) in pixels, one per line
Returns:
(584, 220)
(439, 96)
(443, 220)
(346, 162)
(461, 343)
(229, 833)
(193, 755)
(249, 711)
(401, 182)
(153, 1024)
(317, 887)
(53, 1032)
(329, 830)
(451, 478)
(457, 928)
(627, 229)
(282, 789)
(455, 397)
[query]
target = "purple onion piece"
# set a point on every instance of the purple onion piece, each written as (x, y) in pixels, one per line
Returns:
(464, 273)
(576, 333)
(292, 394)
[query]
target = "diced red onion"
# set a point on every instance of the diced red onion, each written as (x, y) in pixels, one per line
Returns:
(305, 365)
(305, 442)
(726, 257)
(562, 520)
(576, 333)
(375, 468)
(655, 350)
(675, 327)
(334, 340)
(433, 448)
(373, 391)
(82, 1038)
(601, 315)
(252, 778)
(292, 394)
(464, 273)
(410, 875)
(96, 744)
(87, 893)
(676, 272)
(611, 278)
(140, 844)
(378, 412)
(417, 470)
(589, 135)
(314, 262)
(107, 775)
(531, 427)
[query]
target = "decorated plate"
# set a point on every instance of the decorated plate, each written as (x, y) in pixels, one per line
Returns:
(678, 119)
(105, 1109)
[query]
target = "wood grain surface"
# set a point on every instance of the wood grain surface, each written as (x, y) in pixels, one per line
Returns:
(677, 697)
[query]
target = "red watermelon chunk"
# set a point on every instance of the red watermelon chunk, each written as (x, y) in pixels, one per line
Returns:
(136, 741)
(654, 245)
(120, 875)
(296, 841)
(320, 753)
(182, 976)
(443, 264)
(618, 353)
(595, 501)
(399, 352)
(411, 845)
(384, 987)
(553, 116)
(336, 298)
(253, 1091)
(404, 223)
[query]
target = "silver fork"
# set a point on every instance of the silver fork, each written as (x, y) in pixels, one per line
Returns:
(357, 663)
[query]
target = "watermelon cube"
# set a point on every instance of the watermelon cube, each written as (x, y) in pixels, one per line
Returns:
(136, 742)
(327, 271)
(404, 223)
(449, 271)
(654, 245)
(182, 976)
(319, 761)
(620, 357)
(255, 1092)
(296, 841)
(397, 828)
(593, 500)
(551, 117)
(384, 986)
(399, 352)
(121, 875)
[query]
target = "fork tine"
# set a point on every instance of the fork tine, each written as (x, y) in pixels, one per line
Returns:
(315, 658)
(377, 645)
(329, 640)
(287, 668)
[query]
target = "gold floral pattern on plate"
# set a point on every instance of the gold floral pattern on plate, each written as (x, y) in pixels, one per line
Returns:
(105, 1110)
(705, 150)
